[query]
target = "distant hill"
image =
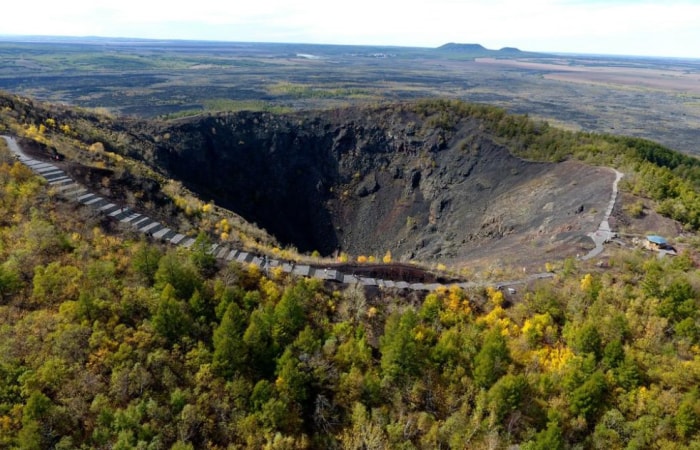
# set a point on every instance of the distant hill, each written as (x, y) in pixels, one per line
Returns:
(476, 50)
(511, 51)
(463, 48)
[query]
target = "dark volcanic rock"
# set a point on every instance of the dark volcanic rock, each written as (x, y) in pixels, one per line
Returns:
(368, 186)
(370, 180)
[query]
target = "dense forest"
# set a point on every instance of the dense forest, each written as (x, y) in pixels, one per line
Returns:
(111, 341)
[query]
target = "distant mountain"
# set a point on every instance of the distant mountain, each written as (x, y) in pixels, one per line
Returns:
(463, 48)
(476, 50)
(511, 51)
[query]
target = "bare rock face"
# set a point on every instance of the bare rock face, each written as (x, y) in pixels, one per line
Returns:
(368, 186)
(366, 181)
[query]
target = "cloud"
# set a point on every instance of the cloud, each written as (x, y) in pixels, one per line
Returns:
(622, 26)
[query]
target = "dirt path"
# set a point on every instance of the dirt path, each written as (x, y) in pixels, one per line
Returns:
(604, 234)
(12, 144)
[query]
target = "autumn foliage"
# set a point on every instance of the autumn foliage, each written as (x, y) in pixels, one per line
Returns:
(111, 342)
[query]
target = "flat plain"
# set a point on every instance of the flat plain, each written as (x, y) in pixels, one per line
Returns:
(654, 98)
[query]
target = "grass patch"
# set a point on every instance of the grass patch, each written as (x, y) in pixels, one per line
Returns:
(296, 90)
(224, 104)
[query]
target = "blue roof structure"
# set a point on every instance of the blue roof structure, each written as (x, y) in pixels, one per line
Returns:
(658, 240)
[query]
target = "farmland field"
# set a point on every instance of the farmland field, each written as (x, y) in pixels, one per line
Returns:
(657, 98)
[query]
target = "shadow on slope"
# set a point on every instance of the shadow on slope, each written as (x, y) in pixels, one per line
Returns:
(365, 181)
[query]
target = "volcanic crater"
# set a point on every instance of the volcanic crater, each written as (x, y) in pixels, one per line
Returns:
(370, 180)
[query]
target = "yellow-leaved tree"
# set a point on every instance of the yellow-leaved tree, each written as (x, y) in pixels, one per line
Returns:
(387, 257)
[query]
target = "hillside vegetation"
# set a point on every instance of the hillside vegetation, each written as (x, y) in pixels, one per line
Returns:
(668, 177)
(108, 341)
(429, 181)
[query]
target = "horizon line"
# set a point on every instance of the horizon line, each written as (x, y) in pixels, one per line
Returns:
(225, 41)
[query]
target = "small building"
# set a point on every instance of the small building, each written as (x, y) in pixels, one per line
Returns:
(657, 243)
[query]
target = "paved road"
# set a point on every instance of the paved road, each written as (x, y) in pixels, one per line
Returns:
(604, 234)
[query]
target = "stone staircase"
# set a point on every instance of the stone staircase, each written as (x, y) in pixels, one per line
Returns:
(68, 188)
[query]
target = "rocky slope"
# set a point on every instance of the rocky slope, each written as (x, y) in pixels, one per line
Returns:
(417, 182)
(424, 180)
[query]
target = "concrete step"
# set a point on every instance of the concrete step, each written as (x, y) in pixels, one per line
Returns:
(107, 208)
(141, 221)
(169, 235)
(61, 181)
(45, 169)
(149, 227)
(160, 233)
(177, 238)
(85, 197)
(53, 174)
(75, 192)
(93, 201)
(120, 212)
(130, 218)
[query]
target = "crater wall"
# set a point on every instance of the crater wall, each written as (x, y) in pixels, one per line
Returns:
(365, 181)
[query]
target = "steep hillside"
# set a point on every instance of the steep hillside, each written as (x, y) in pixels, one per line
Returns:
(429, 181)
(110, 341)
(365, 181)
(107, 342)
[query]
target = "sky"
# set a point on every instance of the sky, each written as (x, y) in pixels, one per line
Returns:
(619, 27)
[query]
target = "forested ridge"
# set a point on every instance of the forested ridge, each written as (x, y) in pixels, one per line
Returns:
(110, 341)
(669, 178)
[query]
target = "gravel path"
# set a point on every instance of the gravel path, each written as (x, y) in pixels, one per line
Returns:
(604, 234)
